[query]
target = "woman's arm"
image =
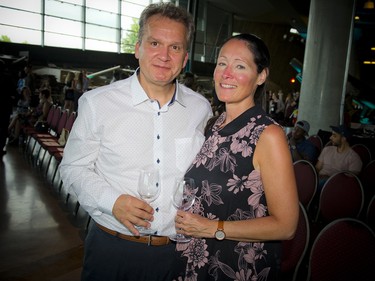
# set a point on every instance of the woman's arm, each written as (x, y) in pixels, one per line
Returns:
(273, 160)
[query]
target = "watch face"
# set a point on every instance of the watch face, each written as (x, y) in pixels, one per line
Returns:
(219, 235)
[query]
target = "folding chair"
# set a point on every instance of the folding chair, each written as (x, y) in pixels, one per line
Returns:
(317, 141)
(294, 250)
(363, 152)
(307, 181)
(344, 250)
(341, 196)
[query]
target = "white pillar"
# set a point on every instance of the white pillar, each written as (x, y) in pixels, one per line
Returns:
(326, 63)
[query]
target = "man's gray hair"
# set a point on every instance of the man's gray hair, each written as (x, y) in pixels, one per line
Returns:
(171, 12)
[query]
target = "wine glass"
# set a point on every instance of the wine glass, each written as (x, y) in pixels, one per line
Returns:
(183, 198)
(148, 190)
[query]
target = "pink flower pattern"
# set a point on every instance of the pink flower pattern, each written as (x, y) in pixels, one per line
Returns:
(229, 188)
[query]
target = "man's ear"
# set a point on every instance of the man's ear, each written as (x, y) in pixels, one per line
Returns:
(136, 50)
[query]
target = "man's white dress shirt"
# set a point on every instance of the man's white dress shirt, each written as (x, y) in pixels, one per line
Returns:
(119, 131)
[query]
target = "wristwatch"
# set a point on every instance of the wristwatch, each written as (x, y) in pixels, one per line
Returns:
(220, 234)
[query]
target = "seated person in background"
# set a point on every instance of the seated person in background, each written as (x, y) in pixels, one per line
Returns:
(20, 116)
(338, 157)
(41, 111)
(300, 146)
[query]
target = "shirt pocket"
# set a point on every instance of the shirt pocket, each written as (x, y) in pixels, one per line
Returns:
(186, 150)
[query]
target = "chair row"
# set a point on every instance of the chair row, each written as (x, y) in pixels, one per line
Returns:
(40, 146)
(343, 250)
(343, 194)
(46, 149)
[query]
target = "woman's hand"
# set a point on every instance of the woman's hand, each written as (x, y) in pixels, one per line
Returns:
(195, 225)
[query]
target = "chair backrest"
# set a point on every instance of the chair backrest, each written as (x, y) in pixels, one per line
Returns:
(363, 152)
(317, 141)
(343, 250)
(70, 121)
(370, 213)
(50, 114)
(55, 120)
(367, 178)
(62, 121)
(341, 196)
(294, 250)
(307, 181)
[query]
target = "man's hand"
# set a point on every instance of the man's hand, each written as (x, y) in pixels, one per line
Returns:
(132, 211)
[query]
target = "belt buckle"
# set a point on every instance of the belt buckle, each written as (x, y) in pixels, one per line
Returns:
(149, 240)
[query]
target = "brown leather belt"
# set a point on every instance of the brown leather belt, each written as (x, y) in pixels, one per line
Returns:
(151, 240)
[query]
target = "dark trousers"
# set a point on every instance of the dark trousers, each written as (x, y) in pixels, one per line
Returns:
(4, 123)
(109, 258)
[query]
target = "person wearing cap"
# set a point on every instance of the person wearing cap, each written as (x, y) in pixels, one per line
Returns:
(337, 157)
(300, 146)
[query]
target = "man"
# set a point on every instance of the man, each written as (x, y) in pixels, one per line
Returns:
(300, 146)
(7, 94)
(145, 121)
(337, 157)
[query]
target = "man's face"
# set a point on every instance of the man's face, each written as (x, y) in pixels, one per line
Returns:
(162, 53)
(298, 133)
(336, 139)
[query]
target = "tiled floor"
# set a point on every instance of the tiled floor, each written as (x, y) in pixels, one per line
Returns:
(40, 238)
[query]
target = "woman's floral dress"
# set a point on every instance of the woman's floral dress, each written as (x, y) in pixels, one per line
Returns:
(228, 188)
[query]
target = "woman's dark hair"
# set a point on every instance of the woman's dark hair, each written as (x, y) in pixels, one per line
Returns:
(260, 52)
(262, 60)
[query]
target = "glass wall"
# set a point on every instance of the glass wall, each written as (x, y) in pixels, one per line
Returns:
(109, 25)
(79, 24)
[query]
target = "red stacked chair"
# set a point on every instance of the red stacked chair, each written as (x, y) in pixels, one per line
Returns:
(294, 250)
(307, 181)
(343, 250)
(44, 140)
(54, 148)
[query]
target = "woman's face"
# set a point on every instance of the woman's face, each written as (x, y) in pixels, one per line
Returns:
(236, 77)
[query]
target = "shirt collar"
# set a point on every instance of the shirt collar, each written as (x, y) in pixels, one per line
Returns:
(141, 96)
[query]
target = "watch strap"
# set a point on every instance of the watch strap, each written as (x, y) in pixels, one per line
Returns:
(220, 225)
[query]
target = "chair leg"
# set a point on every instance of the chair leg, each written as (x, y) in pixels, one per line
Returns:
(36, 160)
(55, 172)
(30, 153)
(42, 160)
(26, 148)
(48, 164)
(76, 208)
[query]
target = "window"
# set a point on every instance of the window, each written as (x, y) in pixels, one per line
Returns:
(63, 10)
(29, 5)
(110, 25)
(101, 18)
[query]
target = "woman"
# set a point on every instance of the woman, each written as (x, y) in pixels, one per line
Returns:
(69, 91)
(78, 89)
(20, 117)
(246, 200)
(41, 111)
